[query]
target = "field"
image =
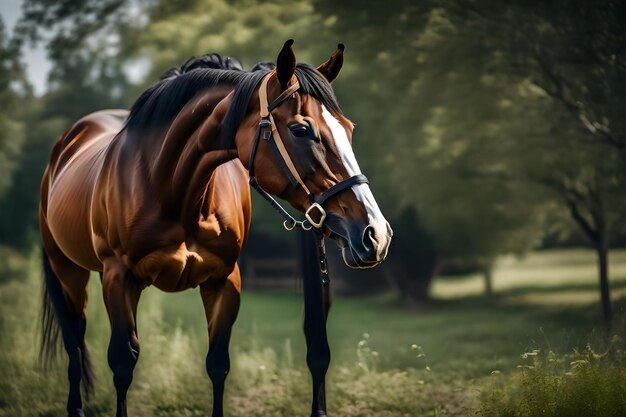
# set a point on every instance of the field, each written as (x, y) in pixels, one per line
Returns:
(450, 357)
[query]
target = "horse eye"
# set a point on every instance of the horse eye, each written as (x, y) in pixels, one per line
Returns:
(300, 131)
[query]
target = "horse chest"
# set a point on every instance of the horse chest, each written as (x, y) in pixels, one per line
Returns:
(187, 265)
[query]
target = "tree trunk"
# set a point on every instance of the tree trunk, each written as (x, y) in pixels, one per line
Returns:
(414, 290)
(413, 284)
(599, 235)
(488, 275)
(602, 248)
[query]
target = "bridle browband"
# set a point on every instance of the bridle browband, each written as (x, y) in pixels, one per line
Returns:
(268, 129)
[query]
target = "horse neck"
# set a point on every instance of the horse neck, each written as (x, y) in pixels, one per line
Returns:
(190, 151)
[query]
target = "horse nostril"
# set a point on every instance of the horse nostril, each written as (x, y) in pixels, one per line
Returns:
(369, 239)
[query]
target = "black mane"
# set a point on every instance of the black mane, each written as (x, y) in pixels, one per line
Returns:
(159, 104)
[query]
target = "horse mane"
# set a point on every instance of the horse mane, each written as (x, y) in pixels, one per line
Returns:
(158, 105)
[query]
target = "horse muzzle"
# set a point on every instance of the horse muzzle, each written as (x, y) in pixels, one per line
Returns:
(361, 246)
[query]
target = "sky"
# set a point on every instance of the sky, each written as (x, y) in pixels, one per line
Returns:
(34, 58)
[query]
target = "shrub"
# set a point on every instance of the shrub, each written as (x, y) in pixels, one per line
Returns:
(585, 384)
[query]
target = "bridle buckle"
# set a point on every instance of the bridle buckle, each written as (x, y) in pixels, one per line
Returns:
(322, 212)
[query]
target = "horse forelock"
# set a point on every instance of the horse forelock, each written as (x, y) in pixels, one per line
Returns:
(311, 82)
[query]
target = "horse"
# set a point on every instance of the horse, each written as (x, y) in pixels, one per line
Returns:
(159, 195)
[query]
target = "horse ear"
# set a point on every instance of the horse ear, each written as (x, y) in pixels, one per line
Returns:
(330, 69)
(286, 64)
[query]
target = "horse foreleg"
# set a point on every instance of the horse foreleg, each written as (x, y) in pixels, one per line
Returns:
(318, 356)
(221, 305)
(121, 295)
(317, 301)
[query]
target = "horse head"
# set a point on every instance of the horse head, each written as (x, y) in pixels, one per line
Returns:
(304, 155)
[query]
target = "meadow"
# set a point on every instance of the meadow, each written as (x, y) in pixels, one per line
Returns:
(523, 351)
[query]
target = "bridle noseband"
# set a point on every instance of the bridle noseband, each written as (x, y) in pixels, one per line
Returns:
(268, 129)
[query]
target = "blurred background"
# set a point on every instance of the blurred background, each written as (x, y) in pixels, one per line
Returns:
(494, 137)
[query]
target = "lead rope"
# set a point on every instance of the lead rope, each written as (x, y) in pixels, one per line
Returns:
(322, 259)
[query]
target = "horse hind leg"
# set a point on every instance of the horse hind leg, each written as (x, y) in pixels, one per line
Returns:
(121, 295)
(221, 306)
(65, 307)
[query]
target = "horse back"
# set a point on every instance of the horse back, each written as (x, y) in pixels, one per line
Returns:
(68, 184)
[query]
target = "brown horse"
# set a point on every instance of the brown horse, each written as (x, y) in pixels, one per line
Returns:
(159, 196)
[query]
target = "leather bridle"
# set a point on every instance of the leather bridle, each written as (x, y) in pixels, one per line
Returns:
(316, 278)
(269, 131)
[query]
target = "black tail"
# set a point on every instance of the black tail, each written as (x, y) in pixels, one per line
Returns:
(50, 329)
(56, 315)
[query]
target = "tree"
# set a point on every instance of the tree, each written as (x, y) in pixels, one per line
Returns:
(82, 38)
(574, 50)
(575, 54)
(437, 128)
(481, 124)
(14, 92)
(84, 41)
(16, 104)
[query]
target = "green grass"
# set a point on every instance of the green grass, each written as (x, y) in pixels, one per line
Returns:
(585, 383)
(387, 361)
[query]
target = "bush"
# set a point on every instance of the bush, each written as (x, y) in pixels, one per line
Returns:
(582, 384)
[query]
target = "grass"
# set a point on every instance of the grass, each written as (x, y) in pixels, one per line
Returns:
(585, 383)
(455, 356)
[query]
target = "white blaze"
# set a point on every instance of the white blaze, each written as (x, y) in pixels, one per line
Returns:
(361, 191)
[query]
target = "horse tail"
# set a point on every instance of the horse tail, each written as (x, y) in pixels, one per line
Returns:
(58, 315)
(50, 328)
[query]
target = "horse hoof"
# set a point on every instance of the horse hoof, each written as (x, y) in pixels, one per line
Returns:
(76, 413)
(319, 414)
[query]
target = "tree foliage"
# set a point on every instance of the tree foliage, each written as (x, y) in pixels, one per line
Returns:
(497, 116)
(14, 91)
(483, 125)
